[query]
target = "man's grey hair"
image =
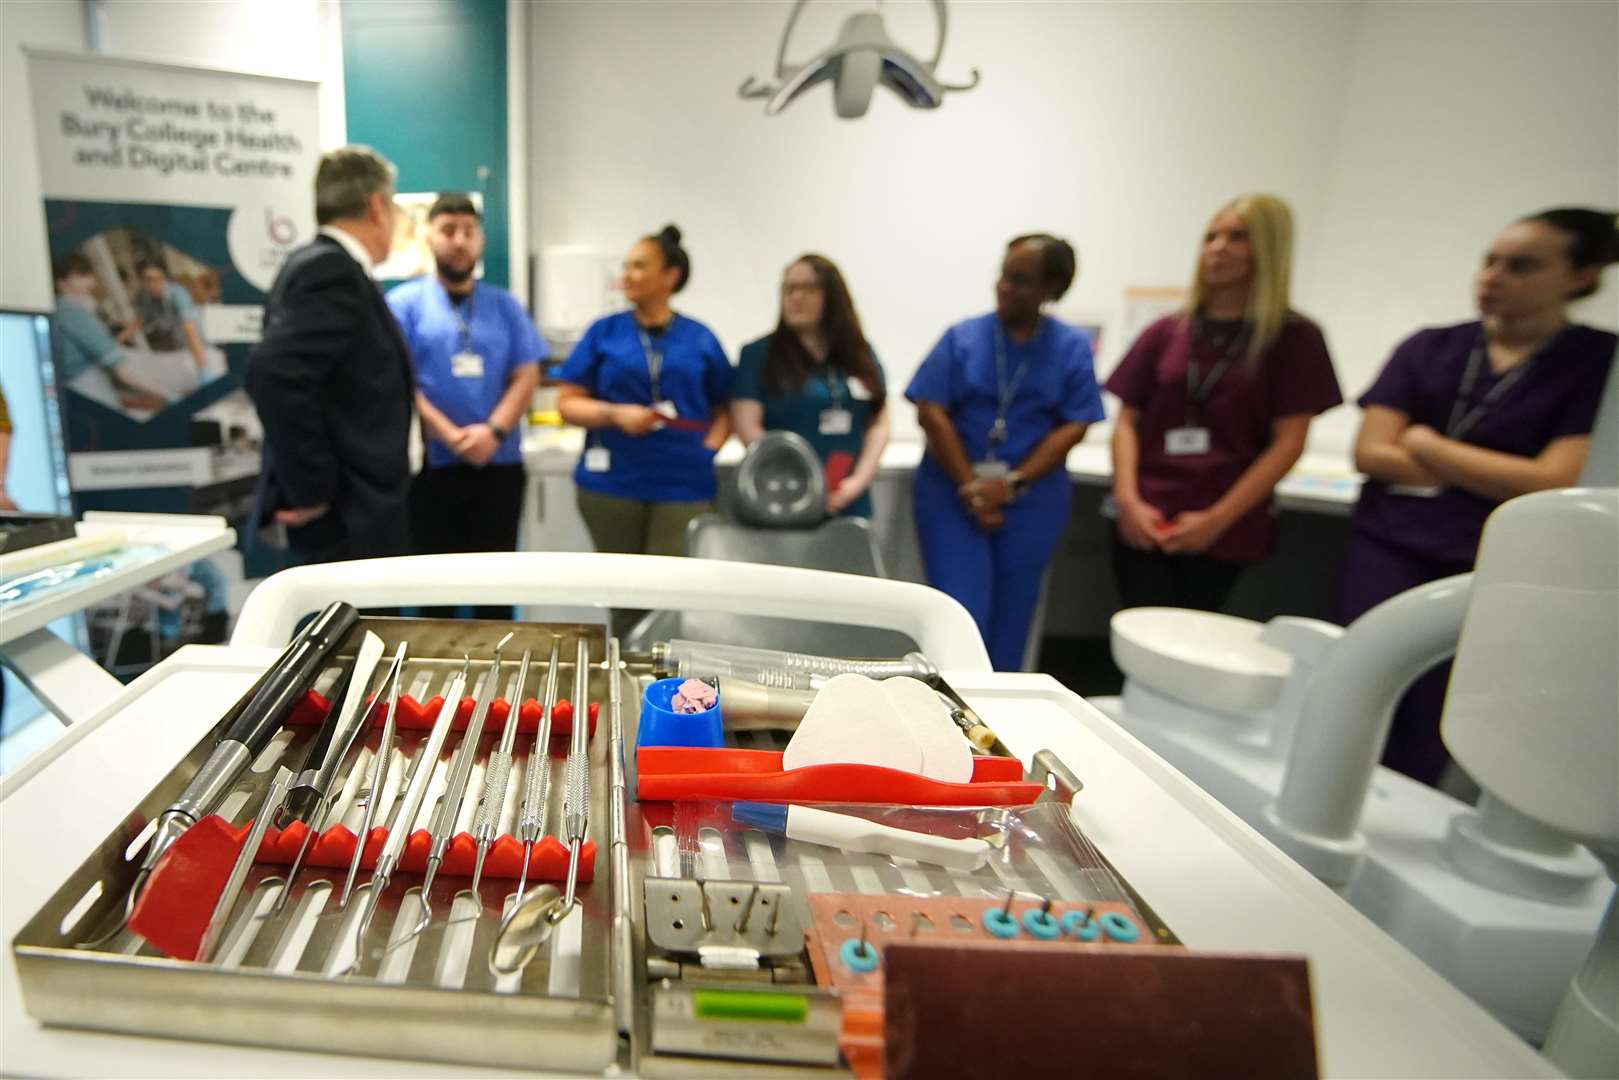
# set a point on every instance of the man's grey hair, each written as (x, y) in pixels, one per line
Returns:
(346, 180)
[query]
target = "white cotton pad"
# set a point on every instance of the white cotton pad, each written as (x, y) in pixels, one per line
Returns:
(853, 721)
(945, 753)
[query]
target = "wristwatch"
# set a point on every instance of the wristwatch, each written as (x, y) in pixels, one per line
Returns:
(1016, 484)
(500, 432)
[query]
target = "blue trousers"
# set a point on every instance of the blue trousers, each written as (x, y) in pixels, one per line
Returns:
(995, 576)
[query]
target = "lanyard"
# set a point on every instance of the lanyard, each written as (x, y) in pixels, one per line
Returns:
(834, 386)
(1465, 413)
(1197, 392)
(462, 321)
(654, 361)
(1006, 390)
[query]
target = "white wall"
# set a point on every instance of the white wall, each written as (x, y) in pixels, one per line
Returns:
(1458, 119)
(1119, 125)
(298, 39)
(45, 24)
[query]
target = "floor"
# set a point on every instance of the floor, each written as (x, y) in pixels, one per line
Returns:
(1082, 664)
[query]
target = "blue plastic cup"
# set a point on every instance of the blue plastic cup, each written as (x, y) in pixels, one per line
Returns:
(662, 726)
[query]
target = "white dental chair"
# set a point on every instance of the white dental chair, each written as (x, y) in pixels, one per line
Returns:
(1285, 722)
(778, 499)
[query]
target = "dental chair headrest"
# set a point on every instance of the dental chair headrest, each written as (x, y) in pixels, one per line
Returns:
(781, 484)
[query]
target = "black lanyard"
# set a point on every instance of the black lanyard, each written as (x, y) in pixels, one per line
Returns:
(463, 320)
(1465, 413)
(1007, 391)
(1197, 392)
(654, 361)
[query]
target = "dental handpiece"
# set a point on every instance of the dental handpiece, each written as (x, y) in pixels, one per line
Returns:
(537, 788)
(576, 795)
(497, 773)
(449, 807)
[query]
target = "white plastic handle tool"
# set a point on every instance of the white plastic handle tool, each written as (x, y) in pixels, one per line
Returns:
(851, 833)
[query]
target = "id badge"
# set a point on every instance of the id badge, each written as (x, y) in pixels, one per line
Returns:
(836, 421)
(991, 470)
(1180, 442)
(466, 365)
(666, 409)
(598, 459)
(1415, 491)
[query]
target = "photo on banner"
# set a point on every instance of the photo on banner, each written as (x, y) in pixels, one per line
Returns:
(172, 195)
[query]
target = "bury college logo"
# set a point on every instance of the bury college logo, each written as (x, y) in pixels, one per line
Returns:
(281, 229)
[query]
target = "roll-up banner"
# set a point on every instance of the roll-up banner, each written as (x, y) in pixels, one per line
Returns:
(172, 196)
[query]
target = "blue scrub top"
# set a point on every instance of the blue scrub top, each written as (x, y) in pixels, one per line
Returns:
(667, 465)
(497, 329)
(81, 341)
(1058, 388)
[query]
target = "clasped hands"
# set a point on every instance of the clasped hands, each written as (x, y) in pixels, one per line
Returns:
(1144, 527)
(986, 500)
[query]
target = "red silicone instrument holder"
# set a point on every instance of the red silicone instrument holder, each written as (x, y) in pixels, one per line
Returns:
(678, 772)
(335, 847)
(419, 716)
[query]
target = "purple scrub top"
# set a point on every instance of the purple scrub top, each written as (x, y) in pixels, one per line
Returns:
(1293, 376)
(1556, 398)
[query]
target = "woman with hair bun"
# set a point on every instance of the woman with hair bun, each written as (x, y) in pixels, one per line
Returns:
(651, 389)
(1002, 398)
(1217, 402)
(1463, 418)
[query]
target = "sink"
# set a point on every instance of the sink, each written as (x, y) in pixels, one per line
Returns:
(1200, 658)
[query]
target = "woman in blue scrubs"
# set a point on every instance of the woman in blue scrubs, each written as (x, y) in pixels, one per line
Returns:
(651, 389)
(816, 375)
(1002, 398)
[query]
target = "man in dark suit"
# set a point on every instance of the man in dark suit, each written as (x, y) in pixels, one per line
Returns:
(331, 378)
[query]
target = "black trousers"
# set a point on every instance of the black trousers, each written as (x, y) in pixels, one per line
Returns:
(1158, 579)
(464, 508)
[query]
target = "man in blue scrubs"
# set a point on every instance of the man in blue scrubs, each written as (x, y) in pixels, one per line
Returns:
(476, 355)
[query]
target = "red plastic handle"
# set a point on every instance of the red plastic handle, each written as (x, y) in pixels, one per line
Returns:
(673, 772)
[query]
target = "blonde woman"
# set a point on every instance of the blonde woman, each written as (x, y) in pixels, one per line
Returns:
(1217, 401)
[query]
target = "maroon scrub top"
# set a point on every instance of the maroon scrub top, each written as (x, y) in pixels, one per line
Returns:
(1557, 397)
(1293, 376)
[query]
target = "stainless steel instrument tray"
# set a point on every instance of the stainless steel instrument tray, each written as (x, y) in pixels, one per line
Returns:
(272, 992)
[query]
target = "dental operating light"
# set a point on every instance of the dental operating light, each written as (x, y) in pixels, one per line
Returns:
(862, 56)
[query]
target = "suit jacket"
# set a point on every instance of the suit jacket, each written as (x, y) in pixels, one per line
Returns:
(332, 382)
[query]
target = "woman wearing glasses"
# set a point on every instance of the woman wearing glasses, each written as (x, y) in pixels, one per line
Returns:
(816, 375)
(1002, 398)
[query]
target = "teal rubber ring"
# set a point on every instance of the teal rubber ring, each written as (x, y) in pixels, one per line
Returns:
(1041, 924)
(1079, 924)
(858, 956)
(1000, 924)
(1119, 927)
